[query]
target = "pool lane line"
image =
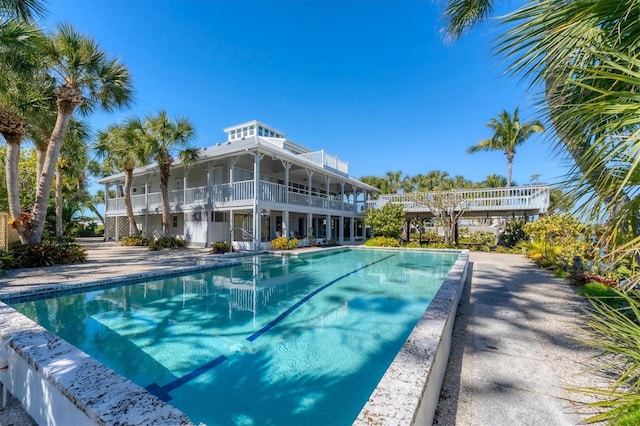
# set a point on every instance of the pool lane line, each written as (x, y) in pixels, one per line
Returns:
(302, 301)
(162, 392)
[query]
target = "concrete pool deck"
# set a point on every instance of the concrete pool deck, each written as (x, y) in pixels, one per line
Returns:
(512, 353)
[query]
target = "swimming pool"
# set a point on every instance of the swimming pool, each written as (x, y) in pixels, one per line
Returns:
(275, 340)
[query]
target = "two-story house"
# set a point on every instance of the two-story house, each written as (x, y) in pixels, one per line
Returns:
(247, 190)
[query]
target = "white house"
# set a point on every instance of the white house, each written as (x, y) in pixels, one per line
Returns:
(247, 190)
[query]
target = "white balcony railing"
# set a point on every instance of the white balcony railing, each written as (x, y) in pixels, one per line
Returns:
(535, 197)
(327, 160)
(233, 194)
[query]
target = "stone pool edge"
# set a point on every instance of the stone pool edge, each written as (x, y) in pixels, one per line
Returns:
(408, 392)
(58, 383)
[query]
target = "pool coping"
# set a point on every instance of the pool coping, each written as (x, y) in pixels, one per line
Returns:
(86, 382)
(408, 392)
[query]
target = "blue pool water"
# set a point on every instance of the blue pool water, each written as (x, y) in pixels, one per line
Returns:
(273, 341)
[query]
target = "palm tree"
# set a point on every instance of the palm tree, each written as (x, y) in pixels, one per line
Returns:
(23, 93)
(508, 133)
(494, 181)
(393, 182)
(85, 79)
(163, 140)
(71, 164)
(25, 10)
(120, 148)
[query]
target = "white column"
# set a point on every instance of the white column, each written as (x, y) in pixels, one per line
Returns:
(184, 188)
(285, 223)
(287, 166)
(327, 182)
(342, 195)
(309, 176)
(352, 230)
(257, 219)
(117, 233)
(341, 230)
(327, 227)
(309, 225)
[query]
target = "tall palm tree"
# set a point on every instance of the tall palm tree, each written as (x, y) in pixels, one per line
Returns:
(437, 180)
(120, 148)
(24, 90)
(508, 133)
(163, 140)
(85, 80)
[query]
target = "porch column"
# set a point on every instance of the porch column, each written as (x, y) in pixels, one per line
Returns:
(287, 165)
(341, 230)
(232, 165)
(309, 176)
(146, 203)
(342, 195)
(285, 223)
(117, 233)
(352, 230)
(208, 211)
(257, 218)
(184, 188)
(231, 226)
(327, 228)
(309, 225)
(106, 212)
(327, 182)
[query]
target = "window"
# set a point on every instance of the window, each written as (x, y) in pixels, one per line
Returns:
(217, 217)
(178, 184)
(134, 190)
(174, 221)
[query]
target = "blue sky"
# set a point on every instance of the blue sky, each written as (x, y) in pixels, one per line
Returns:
(372, 82)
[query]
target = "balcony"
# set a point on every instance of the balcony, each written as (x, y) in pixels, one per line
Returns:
(533, 199)
(327, 161)
(237, 194)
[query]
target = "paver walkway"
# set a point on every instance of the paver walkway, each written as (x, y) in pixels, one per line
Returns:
(515, 351)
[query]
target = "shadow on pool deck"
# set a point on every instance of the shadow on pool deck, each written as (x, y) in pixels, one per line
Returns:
(514, 349)
(512, 353)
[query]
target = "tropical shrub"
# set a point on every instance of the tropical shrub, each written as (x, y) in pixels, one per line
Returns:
(513, 234)
(293, 243)
(602, 292)
(382, 242)
(135, 240)
(163, 243)
(556, 240)
(413, 244)
(387, 221)
(6, 261)
(47, 253)
(280, 243)
(221, 247)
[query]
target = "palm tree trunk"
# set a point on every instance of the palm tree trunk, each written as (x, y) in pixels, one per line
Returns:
(509, 170)
(12, 176)
(165, 210)
(128, 177)
(41, 153)
(45, 180)
(59, 231)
